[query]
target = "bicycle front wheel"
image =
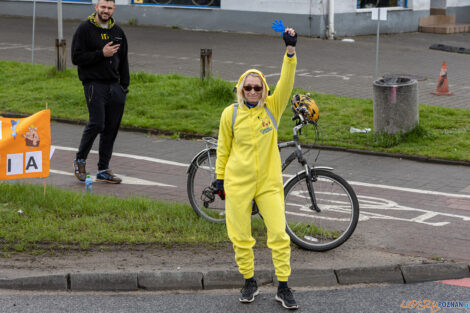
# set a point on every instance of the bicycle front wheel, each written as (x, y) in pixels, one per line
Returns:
(338, 211)
(201, 177)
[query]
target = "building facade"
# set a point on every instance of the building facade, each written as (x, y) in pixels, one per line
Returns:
(314, 18)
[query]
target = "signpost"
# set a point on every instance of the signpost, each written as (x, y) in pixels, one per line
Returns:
(34, 26)
(378, 14)
(60, 42)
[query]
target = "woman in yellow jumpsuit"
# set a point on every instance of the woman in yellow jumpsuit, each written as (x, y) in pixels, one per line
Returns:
(249, 167)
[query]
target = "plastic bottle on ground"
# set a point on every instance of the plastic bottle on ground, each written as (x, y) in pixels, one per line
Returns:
(89, 184)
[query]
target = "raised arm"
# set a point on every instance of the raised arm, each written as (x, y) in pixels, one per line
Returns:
(281, 94)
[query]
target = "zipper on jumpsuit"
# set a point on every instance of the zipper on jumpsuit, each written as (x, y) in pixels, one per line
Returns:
(255, 145)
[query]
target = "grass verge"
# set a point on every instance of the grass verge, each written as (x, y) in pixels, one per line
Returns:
(185, 105)
(65, 219)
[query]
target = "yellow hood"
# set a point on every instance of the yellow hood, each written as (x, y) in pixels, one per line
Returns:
(256, 72)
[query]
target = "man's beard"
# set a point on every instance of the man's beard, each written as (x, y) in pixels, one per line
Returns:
(102, 18)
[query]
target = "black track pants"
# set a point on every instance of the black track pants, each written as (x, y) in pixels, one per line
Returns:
(105, 107)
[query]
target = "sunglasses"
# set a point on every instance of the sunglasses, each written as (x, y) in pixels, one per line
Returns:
(256, 88)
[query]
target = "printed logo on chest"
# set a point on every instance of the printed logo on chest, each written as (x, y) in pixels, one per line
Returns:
(266, 125)
(104, 36)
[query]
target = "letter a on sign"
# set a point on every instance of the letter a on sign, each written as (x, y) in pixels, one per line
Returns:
(33, 162)
(25, 146)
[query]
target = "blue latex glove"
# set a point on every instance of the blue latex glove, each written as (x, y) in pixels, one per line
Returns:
(278, 27)
(219, 187)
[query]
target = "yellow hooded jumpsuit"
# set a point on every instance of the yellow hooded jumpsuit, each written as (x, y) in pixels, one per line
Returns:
(248, 161)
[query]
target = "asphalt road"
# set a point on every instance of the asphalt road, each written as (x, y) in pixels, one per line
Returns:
(380, 298)
(333, 67)
(408, 207)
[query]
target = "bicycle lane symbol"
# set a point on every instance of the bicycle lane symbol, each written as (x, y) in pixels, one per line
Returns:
(375, 207)
(381, 206)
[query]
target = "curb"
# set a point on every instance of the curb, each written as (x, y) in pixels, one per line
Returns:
(227, 279)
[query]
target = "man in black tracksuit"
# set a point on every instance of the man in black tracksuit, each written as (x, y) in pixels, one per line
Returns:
(99, 49)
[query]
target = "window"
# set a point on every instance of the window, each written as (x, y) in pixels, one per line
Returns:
(365, 4)
(199, 3)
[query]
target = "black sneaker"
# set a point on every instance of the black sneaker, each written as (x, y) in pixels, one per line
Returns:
(249, 291)
(79, 167)
(285, 296)
(108, 176)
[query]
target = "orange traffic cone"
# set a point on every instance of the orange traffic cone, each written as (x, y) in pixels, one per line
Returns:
(443, 85)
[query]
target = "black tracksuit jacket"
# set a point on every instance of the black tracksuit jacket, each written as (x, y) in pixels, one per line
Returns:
(87, 53)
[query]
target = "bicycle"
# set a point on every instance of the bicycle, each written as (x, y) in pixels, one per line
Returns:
(195, 2)
(321, 208)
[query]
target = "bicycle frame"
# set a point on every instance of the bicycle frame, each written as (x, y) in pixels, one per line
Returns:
(298, 154)
(314, 189)
(211, 143)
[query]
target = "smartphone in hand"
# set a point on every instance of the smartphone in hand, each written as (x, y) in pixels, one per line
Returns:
(116, 41)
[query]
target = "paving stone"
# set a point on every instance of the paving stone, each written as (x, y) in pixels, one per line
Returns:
(312, 278)
(49, 282)
(379, 274)
(429, 272)
(170, 280)
(233, 279)
(103, 281)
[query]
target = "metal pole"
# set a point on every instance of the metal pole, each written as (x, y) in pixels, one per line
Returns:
(59, 19)
(60, 42)
(377, 50)
(34, 30)
(331, 19)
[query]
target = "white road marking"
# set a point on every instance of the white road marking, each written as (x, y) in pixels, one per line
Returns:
(369, 207)
(274, 74)
(333, 75)
(131, 156)
(426, 192)
(39, 49)
(161, 161)
(13, 47)
(127, 180)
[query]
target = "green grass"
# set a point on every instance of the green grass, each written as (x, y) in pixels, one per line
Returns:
(71, 220)
(179, 104)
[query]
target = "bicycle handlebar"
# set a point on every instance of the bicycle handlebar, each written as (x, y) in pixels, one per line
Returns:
(286, 144)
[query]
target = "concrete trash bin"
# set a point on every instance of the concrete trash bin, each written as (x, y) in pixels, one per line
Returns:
(395, 105)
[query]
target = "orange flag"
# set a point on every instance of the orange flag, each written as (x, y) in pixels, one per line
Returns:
(25, 145)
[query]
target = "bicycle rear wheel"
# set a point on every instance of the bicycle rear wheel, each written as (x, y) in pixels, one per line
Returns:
(338, 216)
(201, 176)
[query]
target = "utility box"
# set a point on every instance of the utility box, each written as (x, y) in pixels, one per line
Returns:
(395, 105)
